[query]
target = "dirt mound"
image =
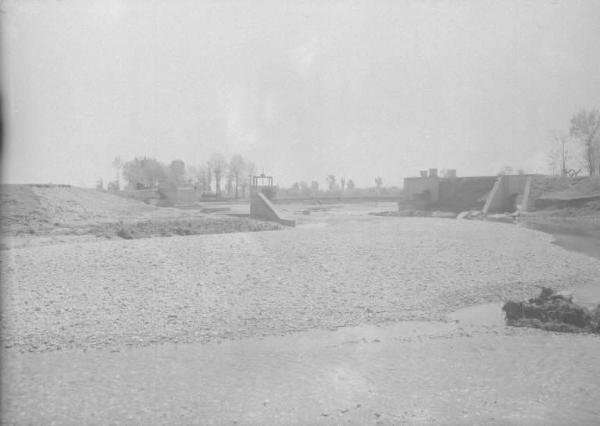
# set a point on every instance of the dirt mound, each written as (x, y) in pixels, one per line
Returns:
(562, 192)
(553, 312)
(40, 209)
(52, 210)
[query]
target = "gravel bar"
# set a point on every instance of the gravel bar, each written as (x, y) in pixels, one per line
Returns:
(113, 293)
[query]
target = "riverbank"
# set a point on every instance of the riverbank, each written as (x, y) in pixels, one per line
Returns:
(577, 234)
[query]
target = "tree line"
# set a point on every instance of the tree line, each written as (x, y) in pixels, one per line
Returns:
(229, 177)
(578, 149)
(336, 187)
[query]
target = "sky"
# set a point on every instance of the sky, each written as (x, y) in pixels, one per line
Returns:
(303, 89)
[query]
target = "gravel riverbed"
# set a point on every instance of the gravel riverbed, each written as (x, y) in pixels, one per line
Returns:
(351, 271)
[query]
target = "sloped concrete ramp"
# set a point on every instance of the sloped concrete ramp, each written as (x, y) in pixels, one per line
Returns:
(262, 208)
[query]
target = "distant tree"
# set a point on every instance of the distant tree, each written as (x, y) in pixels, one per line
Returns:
(553, 160)
(177, 169)
(561, 140)
(331, 182)
(197, 175)
(585, 128)
(304, 189)
(218, 166)
(208, 176)
(113, 186)
(249, 171)
(100, 184)
(229, 184)
(143, 172)
(118, 165)
(350, 185)
(237, 168)
(378, 183)
(343, 183)
(314, 187)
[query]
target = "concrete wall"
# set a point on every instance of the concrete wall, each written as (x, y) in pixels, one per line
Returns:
(451, 193)
(466, 193)
(505, 191)
(418, 188)
(262, 208)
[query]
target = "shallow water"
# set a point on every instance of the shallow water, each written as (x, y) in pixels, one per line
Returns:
(489, 314)
(406, 372)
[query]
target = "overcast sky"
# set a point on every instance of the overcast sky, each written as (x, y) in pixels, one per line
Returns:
(304, 89)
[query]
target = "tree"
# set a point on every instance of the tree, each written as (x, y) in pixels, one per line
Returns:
(208, 176)
(331, 182)
(585, 127)
(304, 189)
(314, 187)
(177, 169)
(343, 183)
(378, 183)
(237, 167)
(229, 185)
(100, 184)
(553, 158)
(118, 165)
(144, 173)
(561, 140)
(350, 185)
(218, 165)
(250, 170)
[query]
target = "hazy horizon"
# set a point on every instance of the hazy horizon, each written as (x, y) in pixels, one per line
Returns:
(302, 89)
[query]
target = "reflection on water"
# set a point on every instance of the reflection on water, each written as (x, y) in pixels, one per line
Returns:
(489, 314)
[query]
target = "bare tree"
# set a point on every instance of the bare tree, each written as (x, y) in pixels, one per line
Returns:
(553, 159)
(561, 139)
(237, 165)
(585, 127)
(218, 166)
(208, 176)
(314, 187)
(378, 183)
(331, 182)
(118, 165)
(177, 169)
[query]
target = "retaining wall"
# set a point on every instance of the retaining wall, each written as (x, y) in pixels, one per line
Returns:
(262, 208)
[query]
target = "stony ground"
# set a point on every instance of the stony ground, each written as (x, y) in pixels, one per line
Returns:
(324, 274)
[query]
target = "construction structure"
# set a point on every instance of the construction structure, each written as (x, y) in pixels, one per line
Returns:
(487, 194)
(261, 187)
